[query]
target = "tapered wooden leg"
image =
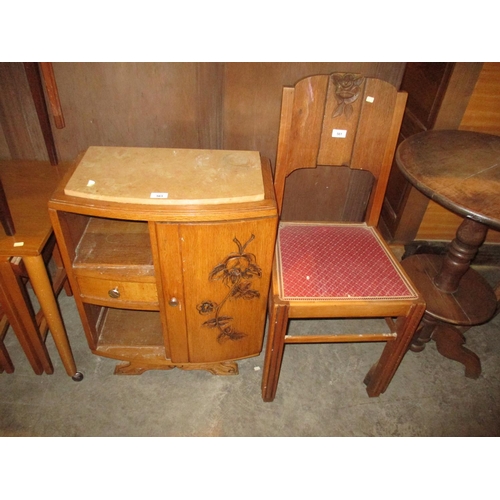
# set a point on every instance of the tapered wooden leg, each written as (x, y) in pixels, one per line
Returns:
(6, 364)
(20, 314)
(379, 377)
(5, 361)
(278, 324)
(44, 292)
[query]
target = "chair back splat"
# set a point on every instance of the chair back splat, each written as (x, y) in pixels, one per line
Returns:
(341, 119)
(341, 269)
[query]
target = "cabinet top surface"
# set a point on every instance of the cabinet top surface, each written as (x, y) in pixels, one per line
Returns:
(164, 176)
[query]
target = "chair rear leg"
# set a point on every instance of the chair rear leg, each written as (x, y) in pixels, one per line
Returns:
(278, 324)
(380, 375)
(5, 361)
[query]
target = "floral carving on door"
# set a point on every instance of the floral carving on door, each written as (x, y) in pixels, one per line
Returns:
(236, 272)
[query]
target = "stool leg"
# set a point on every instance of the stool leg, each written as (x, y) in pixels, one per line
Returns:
(44, 292)
(5, 361)
(6, 364)
(19, 312)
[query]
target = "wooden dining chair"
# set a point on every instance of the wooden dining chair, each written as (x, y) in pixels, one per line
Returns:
(340, 269)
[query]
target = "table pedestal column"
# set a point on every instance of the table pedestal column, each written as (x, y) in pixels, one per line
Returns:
(457, 296)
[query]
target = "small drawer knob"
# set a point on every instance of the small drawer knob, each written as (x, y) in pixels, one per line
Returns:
(114, 293)
(173, 302)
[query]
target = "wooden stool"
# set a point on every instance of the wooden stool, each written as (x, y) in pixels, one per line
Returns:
(24, 256)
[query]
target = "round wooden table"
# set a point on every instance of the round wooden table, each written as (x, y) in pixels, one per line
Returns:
(460, 170)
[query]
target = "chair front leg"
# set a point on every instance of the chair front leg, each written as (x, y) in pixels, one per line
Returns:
(380, 375)
(278, 325)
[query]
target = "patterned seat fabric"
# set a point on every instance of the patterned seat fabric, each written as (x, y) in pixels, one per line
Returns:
(337, 261)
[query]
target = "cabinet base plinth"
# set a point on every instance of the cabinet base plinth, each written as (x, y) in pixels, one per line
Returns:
(135, 360)
(138, 367)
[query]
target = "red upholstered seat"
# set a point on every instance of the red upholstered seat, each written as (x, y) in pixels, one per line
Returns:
(337, 261)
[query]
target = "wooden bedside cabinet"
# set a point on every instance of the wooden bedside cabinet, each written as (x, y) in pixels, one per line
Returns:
(169, 254)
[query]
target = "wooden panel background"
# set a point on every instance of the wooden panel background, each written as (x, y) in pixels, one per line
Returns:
(137, 104)
(183, 105)
(193, 105)
(20, 133)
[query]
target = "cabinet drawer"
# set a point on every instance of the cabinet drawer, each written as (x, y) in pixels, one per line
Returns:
(116, 293)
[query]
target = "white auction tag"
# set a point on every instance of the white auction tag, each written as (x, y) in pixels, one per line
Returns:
(340, 134)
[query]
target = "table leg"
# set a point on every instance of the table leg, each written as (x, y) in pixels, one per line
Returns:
(44, 292)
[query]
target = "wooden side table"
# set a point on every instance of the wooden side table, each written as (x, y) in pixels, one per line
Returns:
(28, 187)
(461, 171)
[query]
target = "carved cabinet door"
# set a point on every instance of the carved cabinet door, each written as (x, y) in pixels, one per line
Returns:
(215, 281)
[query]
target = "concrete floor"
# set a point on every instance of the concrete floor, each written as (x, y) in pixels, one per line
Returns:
(321, 393)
